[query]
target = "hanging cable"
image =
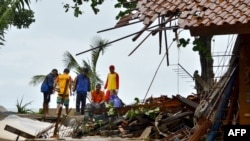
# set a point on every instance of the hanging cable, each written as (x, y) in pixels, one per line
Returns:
(178, 67)
(156, 73)
(224, 60)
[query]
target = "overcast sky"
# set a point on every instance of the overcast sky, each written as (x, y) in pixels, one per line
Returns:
(40, 48)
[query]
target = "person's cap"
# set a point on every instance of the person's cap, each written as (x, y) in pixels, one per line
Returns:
(66, 70)
(111, 67)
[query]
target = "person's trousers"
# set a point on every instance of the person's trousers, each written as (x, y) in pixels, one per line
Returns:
(80, 102)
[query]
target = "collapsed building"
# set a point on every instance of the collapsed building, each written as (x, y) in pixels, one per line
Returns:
(201, 116)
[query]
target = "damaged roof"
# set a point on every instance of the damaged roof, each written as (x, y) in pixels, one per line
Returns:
(201, 17)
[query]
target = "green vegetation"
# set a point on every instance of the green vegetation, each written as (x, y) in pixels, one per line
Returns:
(14, 13)
(125, 6)
(152, 113)
(22, 109)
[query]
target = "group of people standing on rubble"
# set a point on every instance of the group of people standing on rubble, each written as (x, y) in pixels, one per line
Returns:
(81, 85)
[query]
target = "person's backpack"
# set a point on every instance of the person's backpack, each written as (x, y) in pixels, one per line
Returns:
(45, 85)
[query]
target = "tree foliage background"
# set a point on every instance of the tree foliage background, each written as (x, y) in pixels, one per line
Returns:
(15, 13)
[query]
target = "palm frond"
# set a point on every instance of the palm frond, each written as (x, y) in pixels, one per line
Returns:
(37, 79)
(70, 62)
(22, 3)
(2, 38)
(102, 44)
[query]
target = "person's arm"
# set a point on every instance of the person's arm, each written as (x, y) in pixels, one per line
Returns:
(89, 85)
(74, 84)
(70, 85)
(106, 83)
(55, 84)
(117, 82)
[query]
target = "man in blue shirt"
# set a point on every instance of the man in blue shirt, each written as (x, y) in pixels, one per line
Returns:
(82, 87)
(47, 89)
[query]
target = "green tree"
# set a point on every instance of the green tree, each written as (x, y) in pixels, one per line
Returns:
(15, 13)
(202, 45)
(71, 63)
(126, 6)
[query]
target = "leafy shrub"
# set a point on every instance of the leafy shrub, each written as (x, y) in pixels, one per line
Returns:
(22, 109)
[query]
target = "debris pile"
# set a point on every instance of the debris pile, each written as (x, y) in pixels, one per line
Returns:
(157, 118)
(164, 118)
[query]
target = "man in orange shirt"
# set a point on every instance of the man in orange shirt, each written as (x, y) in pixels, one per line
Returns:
(97, 97)
(112, 82)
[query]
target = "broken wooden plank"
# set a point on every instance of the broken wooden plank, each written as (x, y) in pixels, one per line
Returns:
(146, 133)
(18, 132)
(187, 102)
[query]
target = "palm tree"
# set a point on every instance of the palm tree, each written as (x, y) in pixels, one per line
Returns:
(71, 63)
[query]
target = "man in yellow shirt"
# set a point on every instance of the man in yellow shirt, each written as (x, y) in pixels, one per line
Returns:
(63, 82)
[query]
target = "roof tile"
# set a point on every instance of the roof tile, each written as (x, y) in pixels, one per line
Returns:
(229, 19)
(235, 2)
(212, 15)
(160, 1)
(159, 9)
(236, 13)
(217, 9)
(202, 2)
(223, 4)
(229, 8)
(155, 6)
(190, 6)
(247, 13)
(212, 5)
(195, 13)
(181, 6)
(184, 15)
(223, 14)
(207, 12)
(205, 21)
(217, 20)
(243, 19)
(149, 4)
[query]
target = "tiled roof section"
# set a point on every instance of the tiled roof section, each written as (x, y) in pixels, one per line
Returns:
(206, 13)
(195, 14)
